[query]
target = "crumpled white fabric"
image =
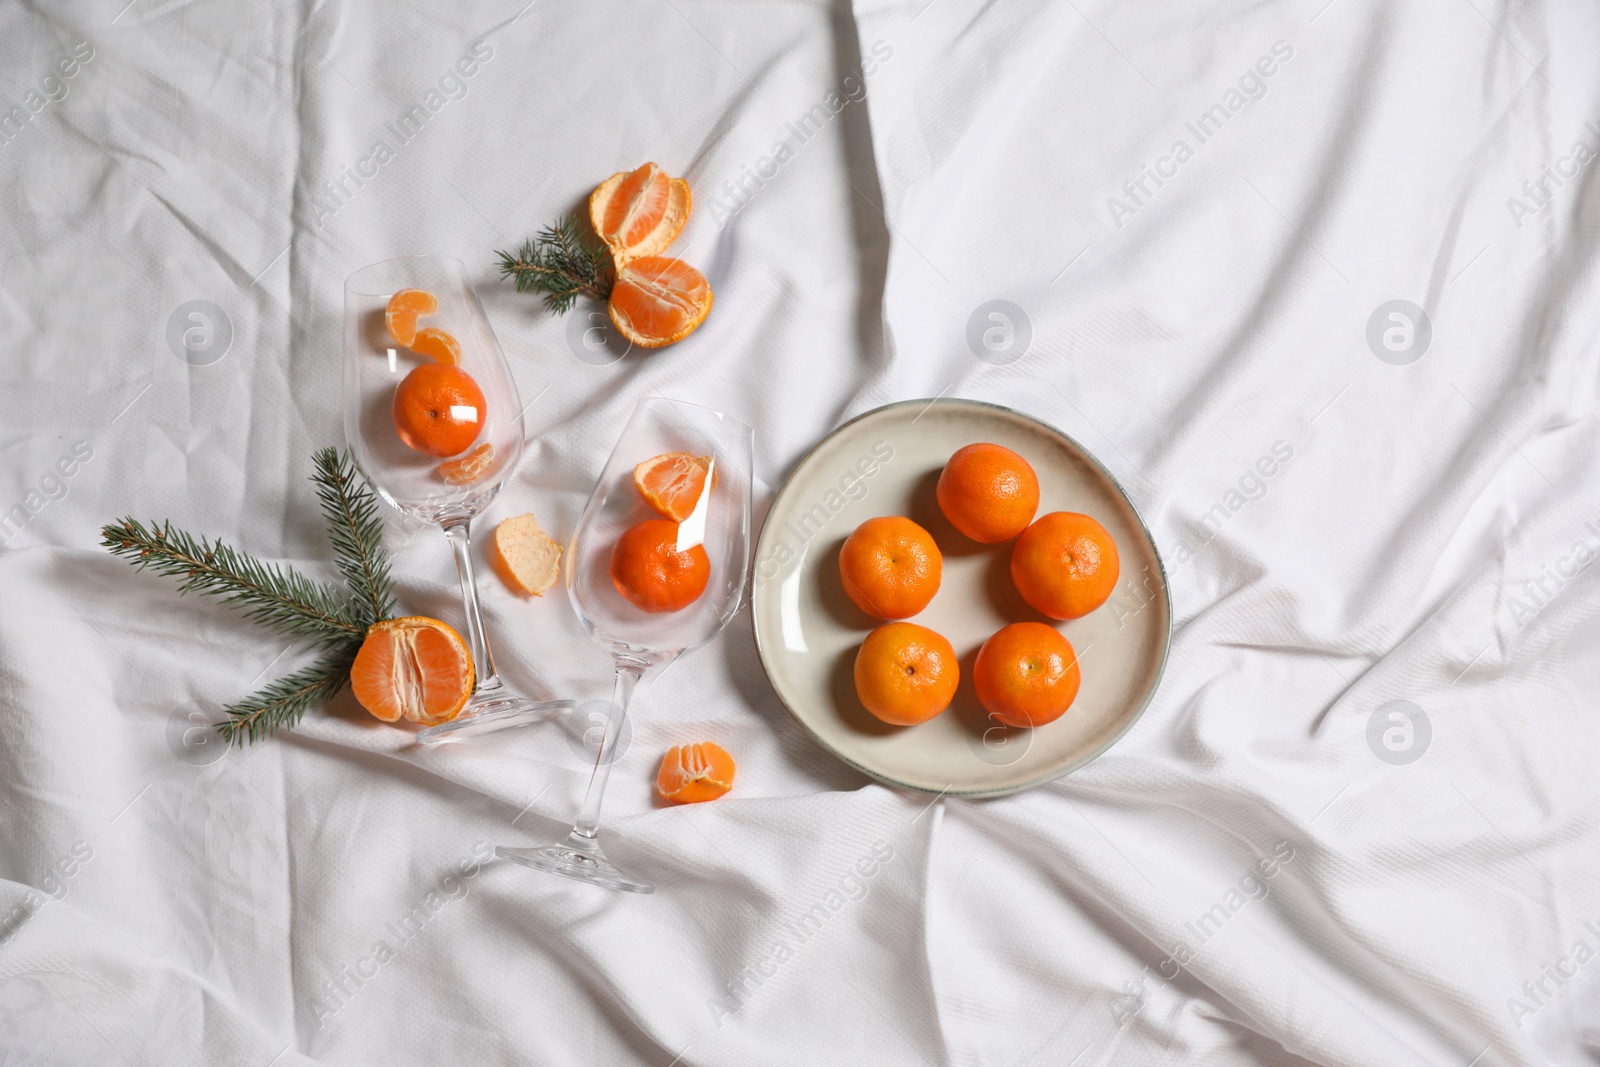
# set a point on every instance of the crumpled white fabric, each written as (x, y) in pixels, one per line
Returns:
(1253, 875)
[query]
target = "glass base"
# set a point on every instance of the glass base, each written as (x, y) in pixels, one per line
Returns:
(578, 857)
(491, 714)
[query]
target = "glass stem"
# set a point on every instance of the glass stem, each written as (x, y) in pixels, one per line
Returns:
(459, 533)
(588, 824)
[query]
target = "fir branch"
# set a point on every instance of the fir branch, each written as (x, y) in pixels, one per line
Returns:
(281, 705)
(562, 263)
(279, 597)
(356, 532)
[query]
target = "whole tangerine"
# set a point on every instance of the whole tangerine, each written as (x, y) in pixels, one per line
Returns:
(652, 574)
(988, 492)
(890, 567)
(1026, 674)
(1065, 565)
(439, 410)
(906, 674)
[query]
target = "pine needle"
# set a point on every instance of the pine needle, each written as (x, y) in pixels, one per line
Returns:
(562, 263)
(276, 596)
(357, 534)
(281, 705)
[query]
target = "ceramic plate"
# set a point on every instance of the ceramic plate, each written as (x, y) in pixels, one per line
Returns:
(887, 462)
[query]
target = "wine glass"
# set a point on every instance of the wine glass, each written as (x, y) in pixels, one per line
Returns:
(640, 641)
(445, 490)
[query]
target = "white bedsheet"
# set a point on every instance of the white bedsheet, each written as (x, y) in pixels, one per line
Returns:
(1343, 531)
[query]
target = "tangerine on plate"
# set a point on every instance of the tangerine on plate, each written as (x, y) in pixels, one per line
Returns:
(890, 567)
(1065, 565)
(693, 774)
(639, 212)
(672, 483)
(1026, 674)
(437, 345)
(652, 574)
(438, 409)
(405, 307)
(658, 300)
(906, 674)
(414, 668)
(988, 492)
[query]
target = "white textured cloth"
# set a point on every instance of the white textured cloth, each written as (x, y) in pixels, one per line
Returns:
(1355, 827)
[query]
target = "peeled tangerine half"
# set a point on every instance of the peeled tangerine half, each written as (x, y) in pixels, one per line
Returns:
(639, 212)
(693, 774)
(673, 483)
(658, 300)
(413, 668)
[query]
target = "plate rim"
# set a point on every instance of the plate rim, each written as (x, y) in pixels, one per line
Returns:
(1144, 527)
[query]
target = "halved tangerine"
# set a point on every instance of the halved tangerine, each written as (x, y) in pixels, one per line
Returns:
(672, 483)
(437, 345)
(639, 212)
(405, 307)
(691, 774)
(414, 668)
(658, 300)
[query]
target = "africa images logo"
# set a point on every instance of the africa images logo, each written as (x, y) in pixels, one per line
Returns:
(335, 194)
(1251, 86)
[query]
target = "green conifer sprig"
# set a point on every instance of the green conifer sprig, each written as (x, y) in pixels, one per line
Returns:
(282, 598)
(562, 263)
(273, 595)
(282, 704)
(357, 534)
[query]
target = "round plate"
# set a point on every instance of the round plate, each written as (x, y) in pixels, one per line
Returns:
(887, 462)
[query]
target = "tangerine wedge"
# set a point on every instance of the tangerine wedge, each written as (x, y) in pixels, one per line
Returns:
(470, 467)
(658, 300)
(413, 668)
(672, 483)
(693, 774)
(405, 307)
(639, 212)
(437, 345)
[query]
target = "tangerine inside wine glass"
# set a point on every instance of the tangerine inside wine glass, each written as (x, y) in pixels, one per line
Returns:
(653, 572)
(432, 414)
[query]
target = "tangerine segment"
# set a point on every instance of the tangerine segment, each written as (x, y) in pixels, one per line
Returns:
(650, 572)
(672, 483)
(414, 668)
(470, 467)
(437, 345)
(988, 492)
(906, 674)
(1065, 565)
(1026, 674)
(658, 300)
(639, 212)
(890, 567)
(405, 307)
(526, 558)
(693, 774)
(438, 410)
